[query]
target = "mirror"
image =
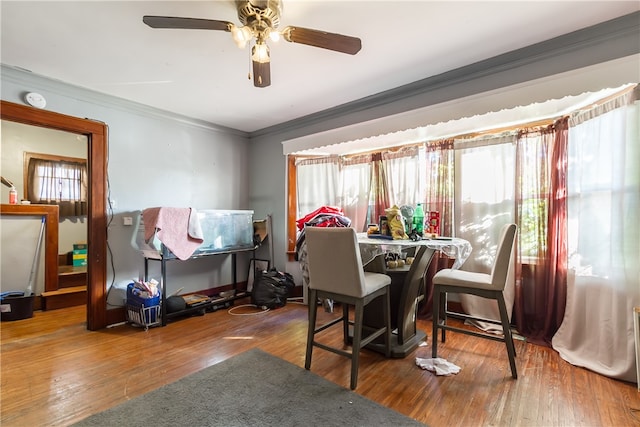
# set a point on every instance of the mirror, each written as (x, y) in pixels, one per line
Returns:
(96, 136)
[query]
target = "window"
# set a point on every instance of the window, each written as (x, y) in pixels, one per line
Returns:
(484, 193)
(603, 188)
(476, 181)
(56, 180)
(533, 183)
(476, 177)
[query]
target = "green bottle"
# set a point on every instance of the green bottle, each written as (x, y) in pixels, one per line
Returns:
(418, 219)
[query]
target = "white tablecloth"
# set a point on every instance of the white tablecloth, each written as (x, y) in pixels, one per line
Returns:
(459, 249)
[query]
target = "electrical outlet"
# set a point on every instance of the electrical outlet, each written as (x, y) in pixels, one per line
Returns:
(113, 204)
(127, 220)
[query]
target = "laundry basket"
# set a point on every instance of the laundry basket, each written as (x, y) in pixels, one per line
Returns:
(142, 310)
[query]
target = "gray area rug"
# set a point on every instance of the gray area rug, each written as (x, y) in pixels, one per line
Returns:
(251, 389)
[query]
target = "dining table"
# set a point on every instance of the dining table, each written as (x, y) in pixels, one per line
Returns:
(373, 245)
(374, 249)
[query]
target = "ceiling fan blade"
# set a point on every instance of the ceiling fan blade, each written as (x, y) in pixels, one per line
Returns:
(331, 41)
(261, 74)
(186, 23)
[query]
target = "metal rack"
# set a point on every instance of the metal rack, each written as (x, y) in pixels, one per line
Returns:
(214, 303)
(225, 299)
(145, 316)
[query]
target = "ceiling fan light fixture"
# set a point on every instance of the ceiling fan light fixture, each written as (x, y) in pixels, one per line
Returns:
(241, 35)
(260, 20)
(274, 36)
(260, 53)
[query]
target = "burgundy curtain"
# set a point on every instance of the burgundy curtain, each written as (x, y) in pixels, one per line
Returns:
(378, 191)
(440, 182)
(541, 277)
(439, 198)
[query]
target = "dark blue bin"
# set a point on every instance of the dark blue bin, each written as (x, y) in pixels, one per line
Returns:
(145, 311)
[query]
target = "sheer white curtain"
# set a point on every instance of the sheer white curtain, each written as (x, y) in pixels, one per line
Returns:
(484, 202)
(318, 183)
(346, 182)
(403, 176)
(355, 181)
(343, 182)
(604, 239)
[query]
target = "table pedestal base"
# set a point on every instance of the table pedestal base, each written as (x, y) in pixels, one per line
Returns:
(399, 351)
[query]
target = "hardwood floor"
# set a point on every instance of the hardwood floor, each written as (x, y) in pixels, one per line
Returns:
(55, 372)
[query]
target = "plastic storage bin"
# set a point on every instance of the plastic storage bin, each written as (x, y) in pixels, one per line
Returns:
(142, 311)
(16, 306)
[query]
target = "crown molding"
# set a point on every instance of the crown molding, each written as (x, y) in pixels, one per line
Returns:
(613, 39)
(33, 81)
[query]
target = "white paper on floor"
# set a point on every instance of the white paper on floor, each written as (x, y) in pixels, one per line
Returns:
(438, 365)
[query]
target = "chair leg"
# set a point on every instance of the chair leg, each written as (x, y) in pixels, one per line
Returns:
(313, 308)
(508, 337)
(357, 338)
(345, 323)
(443, 314)
(435, 314)
(387, 323)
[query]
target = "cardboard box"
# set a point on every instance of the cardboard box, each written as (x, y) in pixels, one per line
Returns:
(79, 246)
(79, 258)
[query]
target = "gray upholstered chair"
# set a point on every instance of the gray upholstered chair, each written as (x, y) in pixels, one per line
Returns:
(335, 272)
(484, 285)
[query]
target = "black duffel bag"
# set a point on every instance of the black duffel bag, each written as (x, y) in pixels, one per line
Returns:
(271, 289)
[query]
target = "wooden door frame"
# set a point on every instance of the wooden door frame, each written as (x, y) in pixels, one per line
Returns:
(96, 133)
(50, 213)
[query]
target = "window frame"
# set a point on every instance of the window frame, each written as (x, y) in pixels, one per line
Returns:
(28, 156)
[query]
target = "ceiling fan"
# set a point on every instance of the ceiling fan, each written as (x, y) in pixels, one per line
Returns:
(260, 19)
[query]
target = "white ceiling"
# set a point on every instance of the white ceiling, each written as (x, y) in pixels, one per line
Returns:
(104, 46)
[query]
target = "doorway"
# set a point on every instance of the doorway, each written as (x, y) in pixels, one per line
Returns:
(96, 136)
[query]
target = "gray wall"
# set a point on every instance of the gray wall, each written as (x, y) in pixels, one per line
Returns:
(605, 55)
(161, 159)
(155, 159)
